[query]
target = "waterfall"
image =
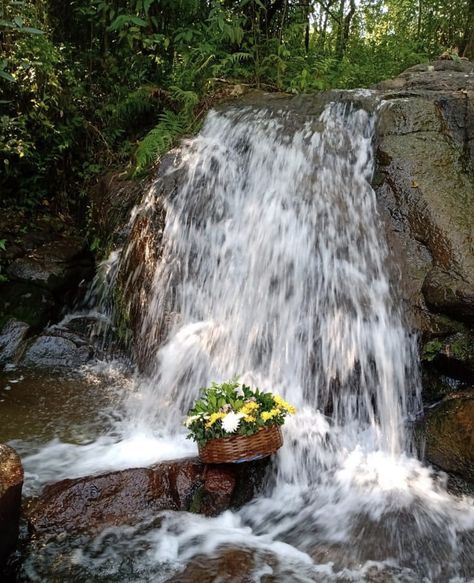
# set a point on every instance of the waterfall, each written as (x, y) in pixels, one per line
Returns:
(273, 267)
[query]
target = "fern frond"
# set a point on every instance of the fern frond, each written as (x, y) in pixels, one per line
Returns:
(160, 139)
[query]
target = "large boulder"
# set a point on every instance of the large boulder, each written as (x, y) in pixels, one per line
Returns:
(57, 351)
(449, 435)
(91, 504)
(426, 189)
(11, 482)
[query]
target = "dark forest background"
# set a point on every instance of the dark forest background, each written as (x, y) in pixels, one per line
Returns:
(92, 85)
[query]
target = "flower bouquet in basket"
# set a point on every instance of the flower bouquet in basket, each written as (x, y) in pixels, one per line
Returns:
(232, 422)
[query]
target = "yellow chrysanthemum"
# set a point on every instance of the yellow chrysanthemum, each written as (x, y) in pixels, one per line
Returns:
(248, 408)
(250, 419)
(214, 417)
(267, 415)
(284, 405)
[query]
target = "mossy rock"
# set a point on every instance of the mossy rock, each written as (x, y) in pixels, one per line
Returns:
(452, 355)
(449, 435)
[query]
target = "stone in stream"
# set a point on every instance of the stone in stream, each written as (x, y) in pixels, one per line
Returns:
(126, 497)
(57, 351)
(449, 435)
(11, 482)
(11, 339)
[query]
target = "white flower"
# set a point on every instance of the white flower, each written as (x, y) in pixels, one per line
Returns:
(231, 421)
(191, 419)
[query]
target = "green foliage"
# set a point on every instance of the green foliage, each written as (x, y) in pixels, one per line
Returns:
(431, 350)
(160, 139)
(94, 84)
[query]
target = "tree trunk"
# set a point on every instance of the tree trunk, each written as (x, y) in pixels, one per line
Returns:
(344, 28)
(467, 44)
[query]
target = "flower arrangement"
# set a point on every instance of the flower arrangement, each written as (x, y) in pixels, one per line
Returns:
(231, 408)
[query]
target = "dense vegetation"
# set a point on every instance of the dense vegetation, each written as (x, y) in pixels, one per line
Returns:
(93, 84)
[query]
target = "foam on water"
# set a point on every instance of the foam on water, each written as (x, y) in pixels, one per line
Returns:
(274, 264)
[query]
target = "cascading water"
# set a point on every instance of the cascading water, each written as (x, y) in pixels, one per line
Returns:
(273, 261)
(273, 268)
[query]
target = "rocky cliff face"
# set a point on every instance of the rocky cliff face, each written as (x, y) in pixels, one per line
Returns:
(425, 186)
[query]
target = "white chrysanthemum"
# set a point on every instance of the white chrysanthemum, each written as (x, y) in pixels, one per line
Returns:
(191, 419)
(231, 421)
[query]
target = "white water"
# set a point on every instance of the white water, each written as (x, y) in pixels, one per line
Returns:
(274, 268)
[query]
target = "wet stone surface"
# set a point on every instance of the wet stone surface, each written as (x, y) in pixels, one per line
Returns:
(126, 497)
(449, 435)
(11, 482)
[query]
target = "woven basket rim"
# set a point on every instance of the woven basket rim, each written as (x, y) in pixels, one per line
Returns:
(238, 448)
(238, 436)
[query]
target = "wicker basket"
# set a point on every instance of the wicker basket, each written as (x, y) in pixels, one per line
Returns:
(242, 448)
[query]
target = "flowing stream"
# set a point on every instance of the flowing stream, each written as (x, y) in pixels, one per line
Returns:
(274, 268)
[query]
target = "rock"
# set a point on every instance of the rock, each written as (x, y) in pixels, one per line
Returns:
(452, 355)
(113, 198)
(11, 482)
(11, 339)
(441, 75)
(449, 435)
(216, 493)
(56, 266)
(27, 303)
(57, 351)
(425, 188)
(437, 385)
(232, 565)
(125, 497)
(445, 292)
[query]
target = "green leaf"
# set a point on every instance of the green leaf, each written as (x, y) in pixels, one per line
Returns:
(7, 76)
(31, 30)
(18, 20)
(125, 20)
(6, 23)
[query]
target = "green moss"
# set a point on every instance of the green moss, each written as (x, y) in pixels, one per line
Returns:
(431, 350)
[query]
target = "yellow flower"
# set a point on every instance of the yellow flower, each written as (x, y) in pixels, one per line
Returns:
(250, 419)
(267, 415)
(214, 417)
(248, 408)
(284, 405)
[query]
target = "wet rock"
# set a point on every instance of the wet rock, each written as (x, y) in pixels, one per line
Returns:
(437, 385)
(117, 498)
(425, 188)
(11, 482)
(125, 497)
(452, 355)
(57, 351)
(217, 491)
(441, 75)
(232, 565)
(27, 303)
(11, 339)
(56, 266)
(445, 292)
(449, 434)
(112, 200)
